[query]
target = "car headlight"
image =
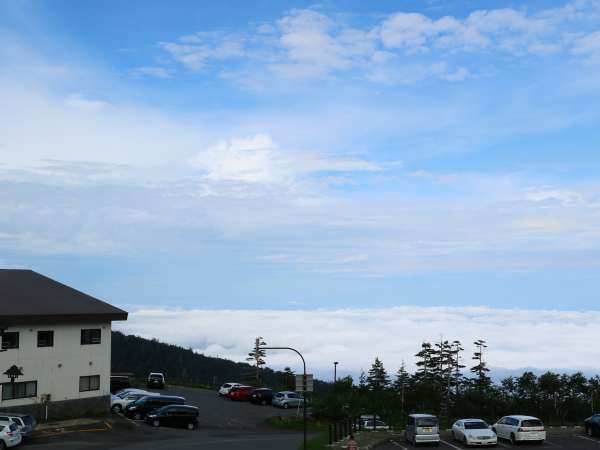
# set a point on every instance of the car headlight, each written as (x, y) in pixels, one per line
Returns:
(132, 407)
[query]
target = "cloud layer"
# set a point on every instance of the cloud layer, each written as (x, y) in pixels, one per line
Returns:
(517, 338)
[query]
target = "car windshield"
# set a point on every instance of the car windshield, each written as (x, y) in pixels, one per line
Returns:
(476, 425)
(427, 422)
(532, 423)
(156, 377)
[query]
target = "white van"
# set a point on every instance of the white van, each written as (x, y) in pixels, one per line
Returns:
(422, 428)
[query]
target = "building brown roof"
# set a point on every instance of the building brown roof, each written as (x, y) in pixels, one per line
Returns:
(27, 297)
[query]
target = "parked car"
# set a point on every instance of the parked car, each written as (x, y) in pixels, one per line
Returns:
(422, 428)
(520, 428)
(174, 416)
(262, 396)
(592, 425)
(119, 402)
(241, 393)
(287, 399)
(138, 409)
(473, 432)
(156, 380)
(119, 382)
(224, 390)
(10, 436)
(373, 425)
(25, 422)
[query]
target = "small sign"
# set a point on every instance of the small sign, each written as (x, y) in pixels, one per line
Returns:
(304, 385)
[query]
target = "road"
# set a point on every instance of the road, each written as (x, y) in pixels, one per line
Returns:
(556, 440)
(223, 425)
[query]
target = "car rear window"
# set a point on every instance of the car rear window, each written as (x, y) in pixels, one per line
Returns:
(479, 425)
(427, 422)
(531, 423)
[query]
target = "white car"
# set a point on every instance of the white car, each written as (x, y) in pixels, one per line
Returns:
(473, 432)
(520, 429)
(224, 390)
(119, 402)
(10, 436)
(367, 425)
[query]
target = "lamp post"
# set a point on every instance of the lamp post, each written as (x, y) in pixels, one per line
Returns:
(335, 363)
(262, 346)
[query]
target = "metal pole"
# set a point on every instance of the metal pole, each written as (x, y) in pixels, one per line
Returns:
(335, 371)
(304, 379)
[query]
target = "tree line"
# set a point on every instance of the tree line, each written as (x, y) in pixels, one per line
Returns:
(445, 385)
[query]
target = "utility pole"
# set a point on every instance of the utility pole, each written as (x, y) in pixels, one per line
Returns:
(335, 363)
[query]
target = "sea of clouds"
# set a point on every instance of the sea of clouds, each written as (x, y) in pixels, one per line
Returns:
(517, 338)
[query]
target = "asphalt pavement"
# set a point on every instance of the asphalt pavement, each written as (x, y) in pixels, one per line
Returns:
(565, 439)
(223, 425)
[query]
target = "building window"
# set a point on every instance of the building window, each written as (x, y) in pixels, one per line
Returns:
(45, 338)
(10, 340)
(90, 336)
(91, 383)
(11, 391)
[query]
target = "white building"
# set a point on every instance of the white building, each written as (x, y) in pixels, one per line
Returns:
(56, 346)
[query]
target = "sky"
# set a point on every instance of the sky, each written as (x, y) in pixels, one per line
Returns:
(294, 159)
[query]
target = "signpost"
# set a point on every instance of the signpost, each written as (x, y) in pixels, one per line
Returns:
(304, 383)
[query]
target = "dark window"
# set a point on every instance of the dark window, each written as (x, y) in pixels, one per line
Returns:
(532, 423)
(427, 422)
(476, 425)
(90, 336)
(11, 391)
(91, 383)
(45, 338)
(10, 340)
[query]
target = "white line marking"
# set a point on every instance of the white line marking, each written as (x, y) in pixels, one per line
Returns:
(451, 445)
(398, 445)
(587, 439)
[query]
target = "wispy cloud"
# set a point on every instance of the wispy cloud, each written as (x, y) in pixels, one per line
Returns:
(310, 43)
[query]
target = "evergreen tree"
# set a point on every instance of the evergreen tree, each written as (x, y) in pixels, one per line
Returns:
(378, 378)
(480, 369)
(257, 357)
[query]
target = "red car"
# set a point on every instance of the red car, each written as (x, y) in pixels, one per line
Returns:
(241, 393)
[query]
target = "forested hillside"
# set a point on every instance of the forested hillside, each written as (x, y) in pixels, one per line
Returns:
(133, 354)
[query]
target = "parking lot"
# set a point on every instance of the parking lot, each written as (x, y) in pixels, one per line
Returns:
(567, 439)
(223, 424)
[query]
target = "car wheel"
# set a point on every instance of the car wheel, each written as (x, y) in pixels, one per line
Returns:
(513, 439)
(156, 423)
(137, 416)
(117, 409)
(285, 406)
(2, 445)
(190, 426)
(589, 431)
(465, 442)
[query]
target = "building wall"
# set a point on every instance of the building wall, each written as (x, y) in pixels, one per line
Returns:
(57, 369)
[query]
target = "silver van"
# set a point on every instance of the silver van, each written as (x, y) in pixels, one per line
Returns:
(422, 428)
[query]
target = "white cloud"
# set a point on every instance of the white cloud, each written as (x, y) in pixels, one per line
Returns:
(257, 159)
(588, 46)
(197, 50)
(517, 337)
(152, 71)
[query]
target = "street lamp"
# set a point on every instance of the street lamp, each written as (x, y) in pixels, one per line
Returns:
(335, 363)
(262, 345)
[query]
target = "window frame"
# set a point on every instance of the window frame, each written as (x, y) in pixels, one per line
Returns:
(86, 338)
(89, 383)
(51, 332)
(19, 383)
(12, 333)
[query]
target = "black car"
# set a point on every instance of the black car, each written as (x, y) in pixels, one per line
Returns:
(174, 416)
(592, 425)
(262, 396)
(118, 382)
(138, 409)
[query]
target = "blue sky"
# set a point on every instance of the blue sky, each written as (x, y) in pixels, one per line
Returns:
(286, 155)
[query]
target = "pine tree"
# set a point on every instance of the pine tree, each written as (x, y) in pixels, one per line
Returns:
(257, 357)
(426, 362)
(377, 379)
(400, 384)
(480, 369)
